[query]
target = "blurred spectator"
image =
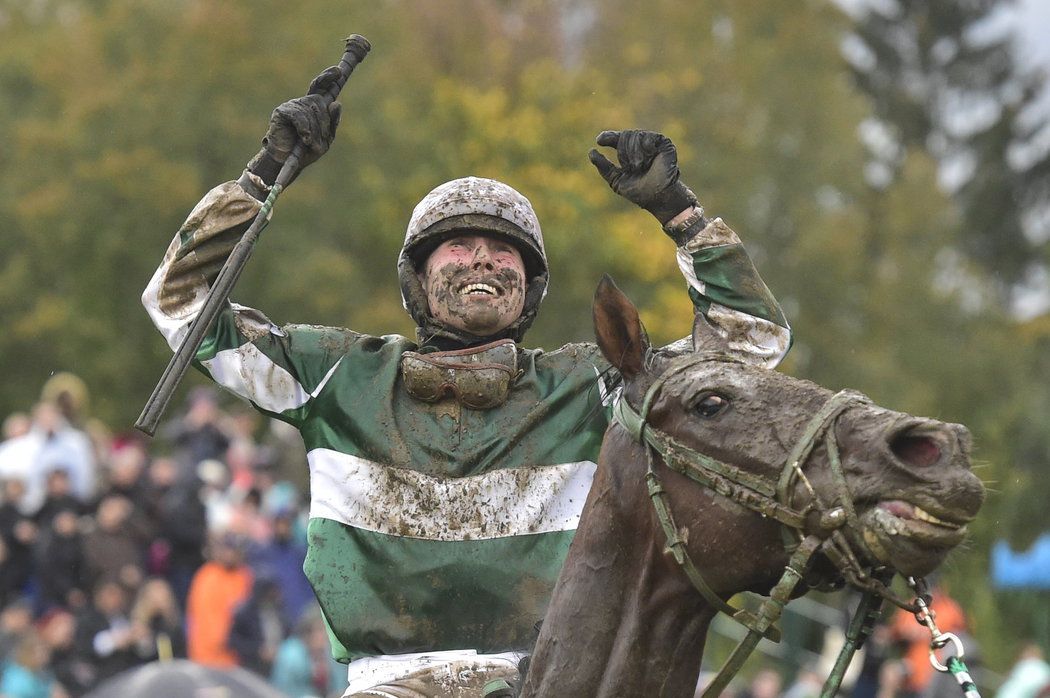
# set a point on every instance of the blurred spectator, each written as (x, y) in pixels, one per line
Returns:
(766, 683)
(214, 476)
(258, 627)
(15, 619)
(60, 567)
(10, 586)
(127, 467)
(915, 638)
(1029, 677)
(304, 666)
(281, 559)
(58, 496)
(50, 443)
(69, 393)
(198, 435)
(893, 676)
(19, 534)
(27, 675)
(287, 453)
(241, 458)
(174, 503)
(265, 481)
(808, 684)
(16, 424)
(242, 424)
(247, 518)
(74, 673)
(113, 548)
(105, 636)
(127, 478)
(281, 496)
(216, 590)
(158, 621)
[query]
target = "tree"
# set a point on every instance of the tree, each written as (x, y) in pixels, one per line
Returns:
(942, 79)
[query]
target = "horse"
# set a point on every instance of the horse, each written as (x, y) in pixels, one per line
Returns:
(799, 484)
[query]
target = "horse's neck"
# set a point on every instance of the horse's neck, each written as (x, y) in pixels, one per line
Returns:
(624, 620)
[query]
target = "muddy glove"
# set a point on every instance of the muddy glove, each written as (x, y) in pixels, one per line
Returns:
(648, 177)
(307, 119)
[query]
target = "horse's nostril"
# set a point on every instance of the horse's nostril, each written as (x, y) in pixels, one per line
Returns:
(916, 449)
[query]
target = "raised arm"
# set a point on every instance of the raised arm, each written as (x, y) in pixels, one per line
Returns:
(723, 283)
(244, 351)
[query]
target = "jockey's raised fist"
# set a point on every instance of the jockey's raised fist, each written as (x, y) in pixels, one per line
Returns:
(647, 174)
(307, 119)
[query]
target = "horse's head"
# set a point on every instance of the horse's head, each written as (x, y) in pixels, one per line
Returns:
(898, 487)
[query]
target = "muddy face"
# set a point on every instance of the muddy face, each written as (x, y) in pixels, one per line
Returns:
(475, 283)
(909, 478)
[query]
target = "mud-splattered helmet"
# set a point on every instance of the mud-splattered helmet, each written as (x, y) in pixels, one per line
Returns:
(480, 205)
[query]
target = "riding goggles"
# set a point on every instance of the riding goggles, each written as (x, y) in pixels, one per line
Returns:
(478, 377)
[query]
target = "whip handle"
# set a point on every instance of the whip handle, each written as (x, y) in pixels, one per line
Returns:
(357, 47)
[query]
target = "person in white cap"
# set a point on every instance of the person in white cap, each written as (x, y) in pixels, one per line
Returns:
(448, 471)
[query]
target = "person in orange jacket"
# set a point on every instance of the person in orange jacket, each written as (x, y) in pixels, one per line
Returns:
(218, 587)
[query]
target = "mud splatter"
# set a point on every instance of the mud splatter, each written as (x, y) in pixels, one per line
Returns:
(479, 314)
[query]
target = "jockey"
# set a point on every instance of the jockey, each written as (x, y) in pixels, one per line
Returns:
(447, 472)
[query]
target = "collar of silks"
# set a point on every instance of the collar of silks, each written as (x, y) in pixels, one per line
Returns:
(478, 378)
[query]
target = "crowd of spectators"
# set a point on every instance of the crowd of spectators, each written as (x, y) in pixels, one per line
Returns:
(116, 550)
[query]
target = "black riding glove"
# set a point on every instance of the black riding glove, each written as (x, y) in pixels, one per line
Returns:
(648, 174)
(307, 119)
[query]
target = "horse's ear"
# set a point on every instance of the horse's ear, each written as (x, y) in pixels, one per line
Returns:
(618, 329)
(706, 336)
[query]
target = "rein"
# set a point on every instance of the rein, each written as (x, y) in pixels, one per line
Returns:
(818, 527)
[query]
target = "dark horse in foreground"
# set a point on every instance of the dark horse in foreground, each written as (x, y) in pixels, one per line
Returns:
(796, 469)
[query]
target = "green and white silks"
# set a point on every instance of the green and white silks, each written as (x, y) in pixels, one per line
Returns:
(432, 527)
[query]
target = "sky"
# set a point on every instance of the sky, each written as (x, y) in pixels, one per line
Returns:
(1034, 30)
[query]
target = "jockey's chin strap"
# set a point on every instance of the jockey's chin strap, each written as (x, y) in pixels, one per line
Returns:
(817, 527)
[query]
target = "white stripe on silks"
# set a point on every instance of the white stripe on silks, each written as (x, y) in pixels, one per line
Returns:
(406, 503)
(244, 370)
(248, 372)
(751, 339)
(685, 263)
(172, 327)
(369, 674)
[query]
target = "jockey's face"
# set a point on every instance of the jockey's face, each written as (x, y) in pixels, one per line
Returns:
(475, 282)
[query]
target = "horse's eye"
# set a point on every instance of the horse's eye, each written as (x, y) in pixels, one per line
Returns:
(711, 405)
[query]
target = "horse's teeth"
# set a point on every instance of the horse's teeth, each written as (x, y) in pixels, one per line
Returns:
(923, 515)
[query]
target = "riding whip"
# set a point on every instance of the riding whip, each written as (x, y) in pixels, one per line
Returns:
(357, 47)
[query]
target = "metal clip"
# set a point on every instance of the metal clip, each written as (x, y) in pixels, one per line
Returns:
(940, 642)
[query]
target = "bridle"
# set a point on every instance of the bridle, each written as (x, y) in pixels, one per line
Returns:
(831, 528)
